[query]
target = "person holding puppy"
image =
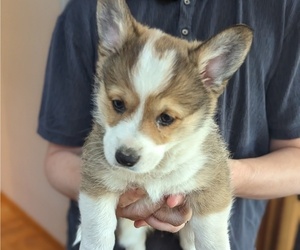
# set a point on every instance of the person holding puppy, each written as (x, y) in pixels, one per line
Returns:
(258, 115)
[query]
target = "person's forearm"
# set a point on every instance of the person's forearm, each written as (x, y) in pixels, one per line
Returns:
(274, 175)
(62, 169)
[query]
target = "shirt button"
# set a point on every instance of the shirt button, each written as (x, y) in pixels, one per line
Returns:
(187, 2)
(185, 32)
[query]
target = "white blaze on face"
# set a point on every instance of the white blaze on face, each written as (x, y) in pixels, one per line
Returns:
(149, 76)
(152, 71)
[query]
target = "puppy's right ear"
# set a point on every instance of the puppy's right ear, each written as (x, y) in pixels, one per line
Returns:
(114, 22)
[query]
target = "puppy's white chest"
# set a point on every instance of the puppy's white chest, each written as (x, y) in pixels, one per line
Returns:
(157, 190)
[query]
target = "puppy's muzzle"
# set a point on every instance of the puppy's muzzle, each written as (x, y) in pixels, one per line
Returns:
(127, 157)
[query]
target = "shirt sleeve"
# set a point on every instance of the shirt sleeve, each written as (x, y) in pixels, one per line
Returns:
(65, 112)
(283, 93)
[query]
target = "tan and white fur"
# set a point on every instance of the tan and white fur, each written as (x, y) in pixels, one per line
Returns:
(154, 129)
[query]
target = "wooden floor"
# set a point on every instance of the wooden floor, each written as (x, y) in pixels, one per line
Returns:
(19, 232)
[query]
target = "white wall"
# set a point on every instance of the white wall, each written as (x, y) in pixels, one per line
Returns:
(27, 26)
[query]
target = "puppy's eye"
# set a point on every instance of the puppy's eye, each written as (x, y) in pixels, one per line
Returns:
(119, 106)
(165, 120)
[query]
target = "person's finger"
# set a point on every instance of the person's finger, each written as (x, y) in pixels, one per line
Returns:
(175, 216)
(162, 226)
(139, 210)
(130, 197)
(140, 223)
(175, 200)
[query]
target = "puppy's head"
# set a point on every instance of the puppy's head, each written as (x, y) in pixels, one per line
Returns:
(156, 91)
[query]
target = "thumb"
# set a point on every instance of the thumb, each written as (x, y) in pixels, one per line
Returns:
(175, 200)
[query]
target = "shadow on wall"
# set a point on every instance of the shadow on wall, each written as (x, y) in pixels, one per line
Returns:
(63, 3)
(26, 33)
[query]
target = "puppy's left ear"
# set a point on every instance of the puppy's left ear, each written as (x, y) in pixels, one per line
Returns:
(114, 23)
(222, 55)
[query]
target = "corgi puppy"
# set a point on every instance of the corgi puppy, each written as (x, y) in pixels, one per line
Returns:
(154, 129)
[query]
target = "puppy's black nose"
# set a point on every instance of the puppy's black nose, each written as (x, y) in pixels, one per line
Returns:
(127, 157)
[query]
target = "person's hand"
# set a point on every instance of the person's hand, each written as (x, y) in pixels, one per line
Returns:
(169, 214)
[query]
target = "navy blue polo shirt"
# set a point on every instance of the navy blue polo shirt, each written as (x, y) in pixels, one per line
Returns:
(261, 102)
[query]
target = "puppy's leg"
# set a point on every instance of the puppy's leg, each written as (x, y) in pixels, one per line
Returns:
(130, 237)
(187, 238)
(211, 231)
(98, 221)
